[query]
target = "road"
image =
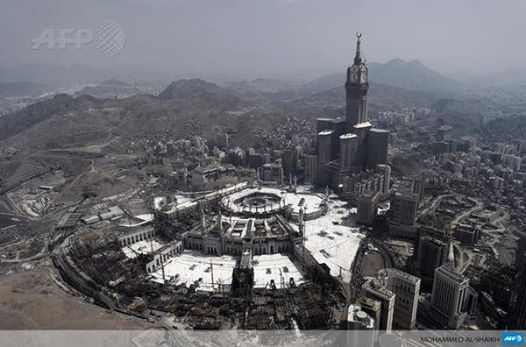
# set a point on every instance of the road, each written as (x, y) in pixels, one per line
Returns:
(465, 214)
(15, 216)
(435, 203)
(462, 264)
(42, 253)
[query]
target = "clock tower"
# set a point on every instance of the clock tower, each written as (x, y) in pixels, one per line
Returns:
(356, 90)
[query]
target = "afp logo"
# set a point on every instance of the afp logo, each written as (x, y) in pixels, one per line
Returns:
(110, 38)
(513, 338)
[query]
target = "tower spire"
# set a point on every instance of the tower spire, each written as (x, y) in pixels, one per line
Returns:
(358, 57)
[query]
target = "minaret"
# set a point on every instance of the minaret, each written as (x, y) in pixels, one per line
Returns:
(221, 233)
(301, 228)
(301, 222)
(203, 220)
(356, 89)
(220, 221)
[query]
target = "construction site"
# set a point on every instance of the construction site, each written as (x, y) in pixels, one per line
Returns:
(242, 257)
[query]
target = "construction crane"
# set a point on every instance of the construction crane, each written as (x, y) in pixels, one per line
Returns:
(162, 267)
(152, 252)
(212, 272)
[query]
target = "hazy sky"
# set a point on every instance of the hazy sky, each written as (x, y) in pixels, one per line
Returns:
(272, 38)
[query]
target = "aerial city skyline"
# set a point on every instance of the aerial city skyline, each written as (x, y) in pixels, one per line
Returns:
(381, 205)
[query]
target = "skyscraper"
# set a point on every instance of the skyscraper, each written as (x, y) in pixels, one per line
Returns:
(402, 213)
(373, 308)
(337, 126)
(377, 147)
(431, 252)
(324, 147)
(406, 289)
(324, 156)
(452, 300)
(310, 164)
(323, 124)
(362, 326)
(386, 171)
(367, 206)
(362, 132)
(344, 144)
(356, 88)
(419, 186)
(358, 319)
(375, 289)
(348, 148)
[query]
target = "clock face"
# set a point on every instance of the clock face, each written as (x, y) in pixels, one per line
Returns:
(363, 77)
(354, 77)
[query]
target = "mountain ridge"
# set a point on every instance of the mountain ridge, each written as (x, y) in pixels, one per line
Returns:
(412, 75)
(185, 88)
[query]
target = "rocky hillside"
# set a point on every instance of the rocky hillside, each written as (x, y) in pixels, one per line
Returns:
(185, 107)
(380, 96)
(19, 122)
(65, 121)
(412, 75)
(186, 88)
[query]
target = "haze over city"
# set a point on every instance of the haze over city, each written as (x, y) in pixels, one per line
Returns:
(295, 39)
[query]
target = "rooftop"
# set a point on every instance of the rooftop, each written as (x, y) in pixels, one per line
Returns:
(192, 266)
(325, 132)
(274, 266)
(348, 136)
(377, 287)
(333, 244)
(378, 130)
(401, 274)
(363, 125)
(141, 247)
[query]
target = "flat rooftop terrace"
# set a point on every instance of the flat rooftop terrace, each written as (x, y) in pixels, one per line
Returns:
(334, 244)
(192, 266)
(270, 267)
